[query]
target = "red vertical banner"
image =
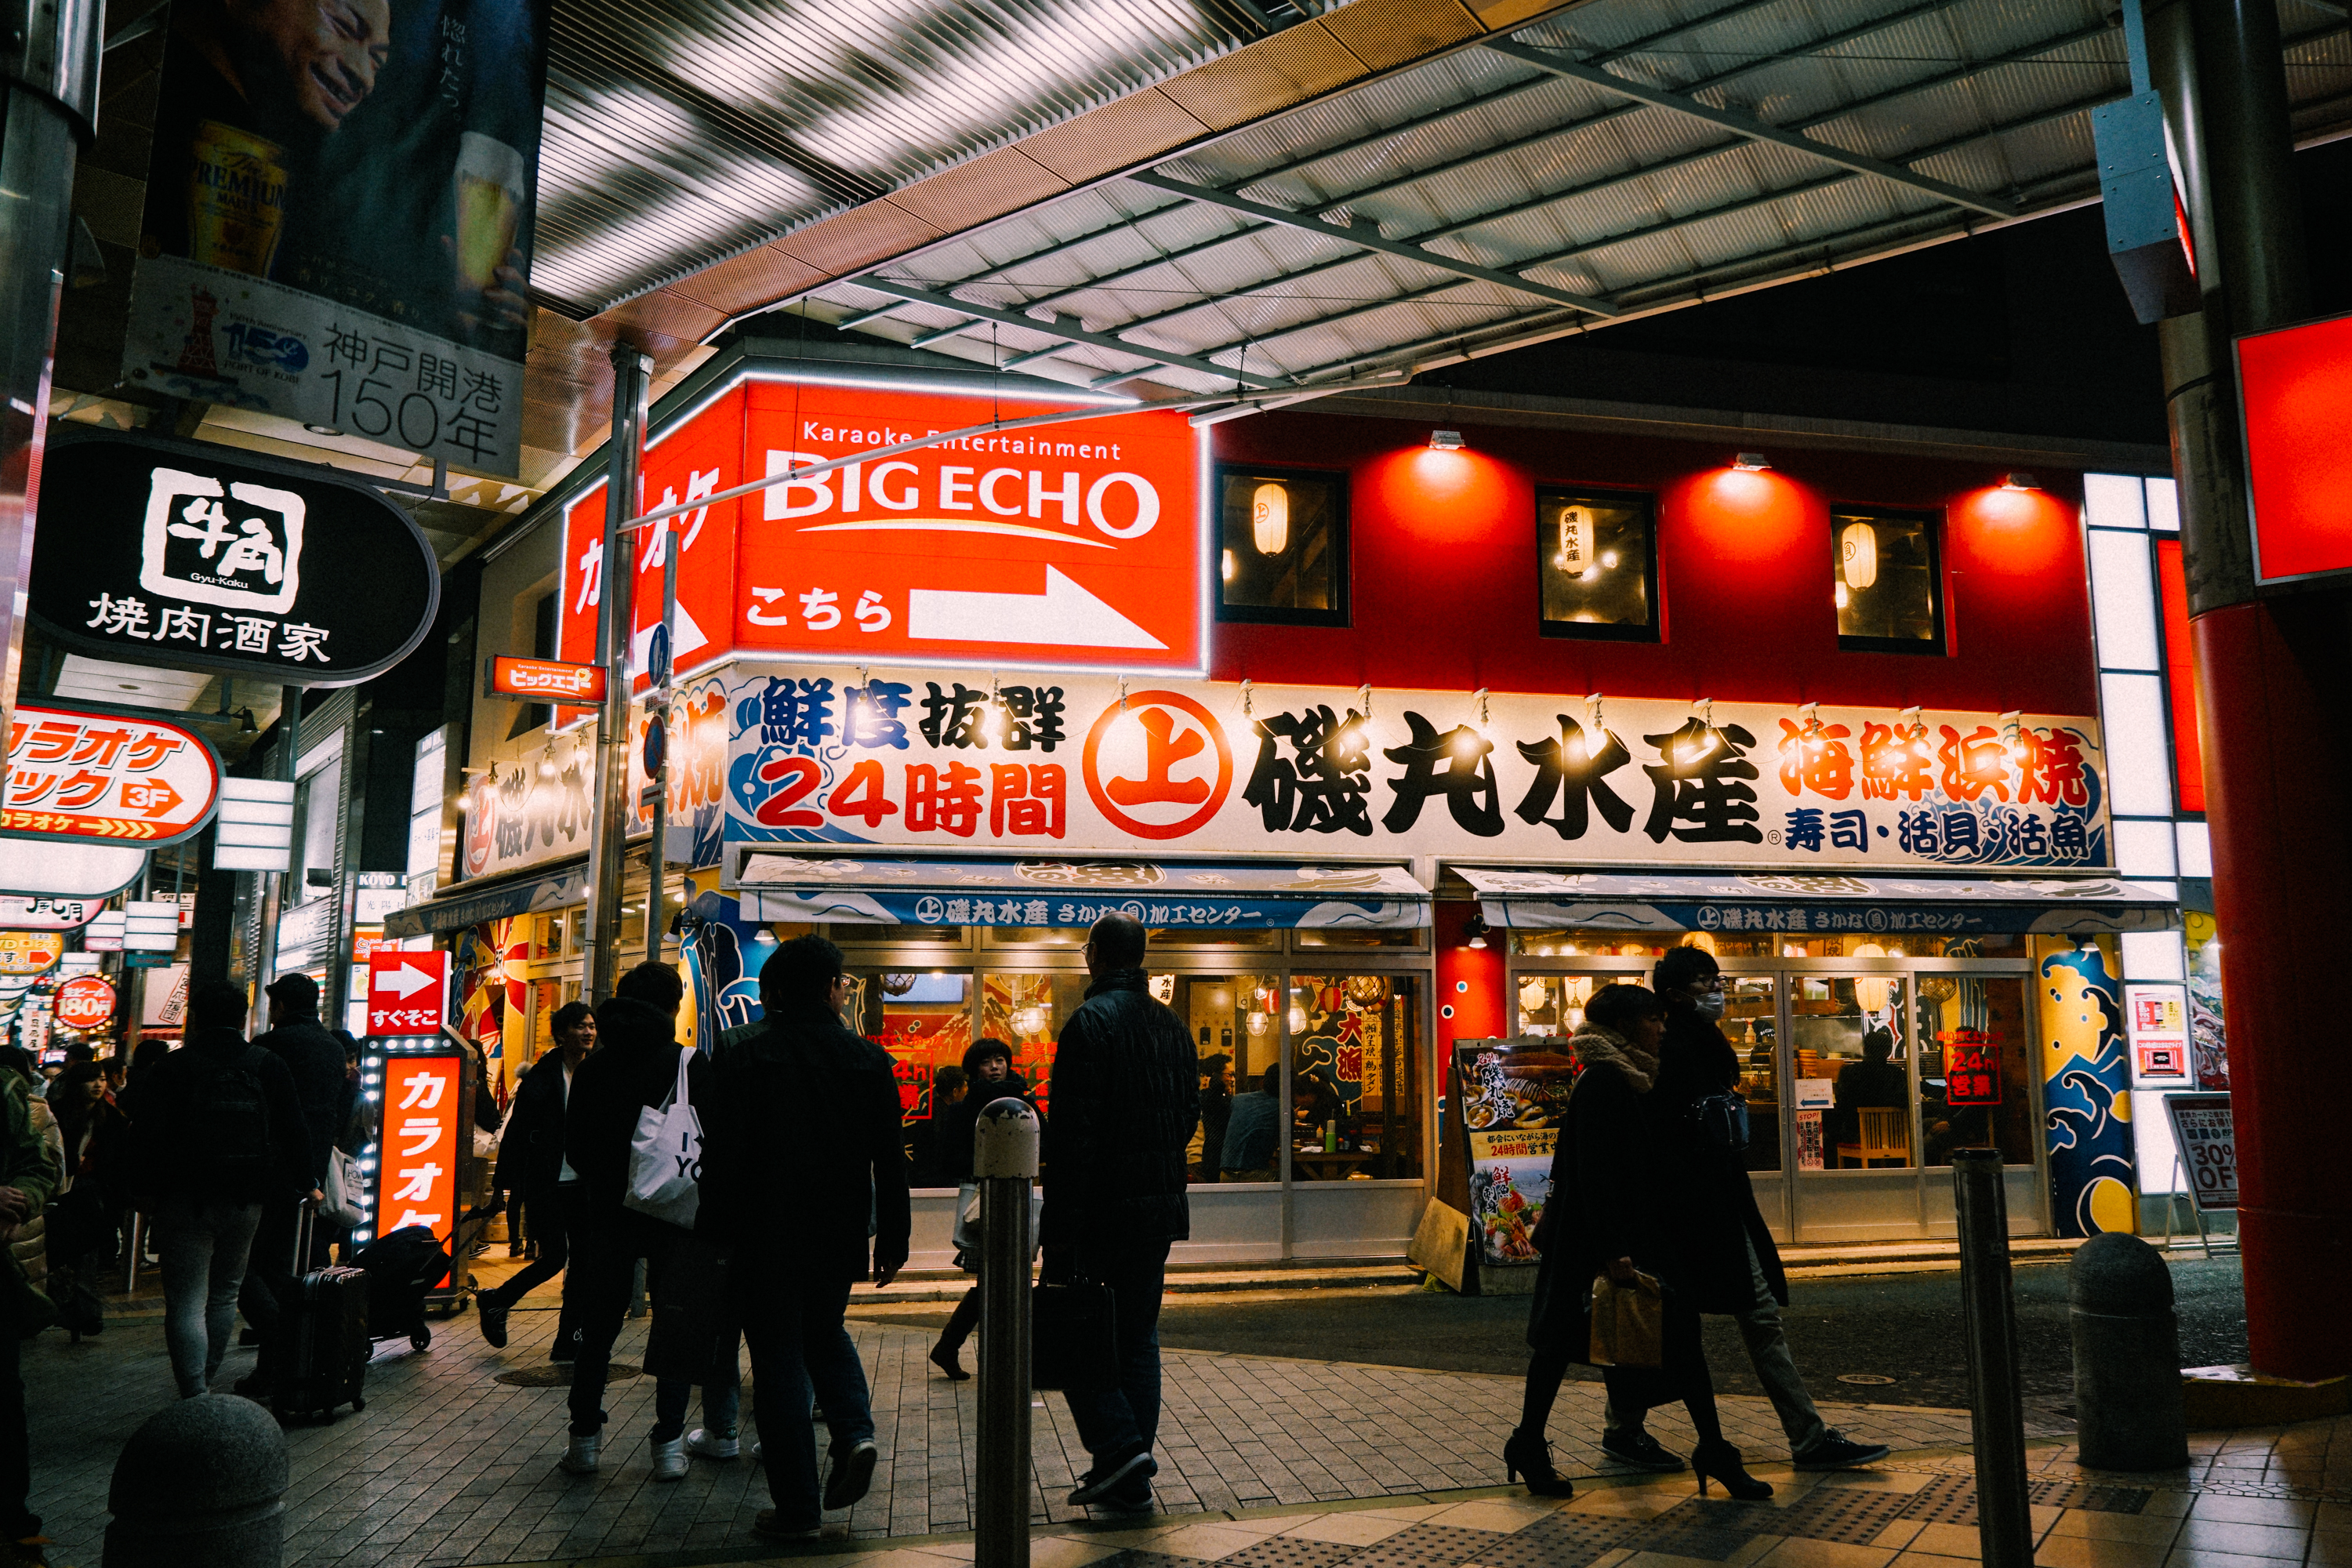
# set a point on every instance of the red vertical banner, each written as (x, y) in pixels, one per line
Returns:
(416, 1157)
(2180, 676)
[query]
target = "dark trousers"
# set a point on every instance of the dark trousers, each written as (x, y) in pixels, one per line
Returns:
(605, 1250)
(801, 1357)
(551, 1218)
(516, 1233)
(1123, 1417)
(16, 1520)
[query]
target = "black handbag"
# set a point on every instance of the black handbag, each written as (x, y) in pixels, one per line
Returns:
(1073, 1335)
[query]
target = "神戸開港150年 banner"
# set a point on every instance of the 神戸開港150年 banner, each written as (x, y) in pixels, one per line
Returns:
(340, 218)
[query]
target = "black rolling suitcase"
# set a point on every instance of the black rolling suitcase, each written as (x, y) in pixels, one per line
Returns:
(327, 1347)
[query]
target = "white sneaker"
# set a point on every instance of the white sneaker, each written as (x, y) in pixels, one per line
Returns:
(580, 1455)
(705, 1444)
(669, 1460)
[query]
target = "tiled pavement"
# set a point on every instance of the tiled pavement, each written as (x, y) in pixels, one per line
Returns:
(450, 1465)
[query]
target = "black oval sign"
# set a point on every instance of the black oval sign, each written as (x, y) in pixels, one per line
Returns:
(170, 553)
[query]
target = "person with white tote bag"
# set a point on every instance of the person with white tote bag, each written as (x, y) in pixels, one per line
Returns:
(632, 1130)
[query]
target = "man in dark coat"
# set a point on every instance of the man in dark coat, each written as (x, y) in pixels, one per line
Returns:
(315, 1059)
(1696, 1061)
(1127, 1096)
(539, 1181)
(805, 1189)
(633, 1067)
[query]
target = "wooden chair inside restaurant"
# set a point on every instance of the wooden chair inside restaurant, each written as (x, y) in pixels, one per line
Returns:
(1883, 1137)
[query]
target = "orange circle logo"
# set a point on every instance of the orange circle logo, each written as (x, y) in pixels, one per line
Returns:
(1166, 742)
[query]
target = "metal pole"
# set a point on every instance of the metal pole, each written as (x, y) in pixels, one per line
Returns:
(272, 890)
(1004, 1163)
(659, 701)
(1996, 1409)
(48, 102)
(615, 629)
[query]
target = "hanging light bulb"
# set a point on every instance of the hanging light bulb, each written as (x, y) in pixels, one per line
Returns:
(1858, 555)
(1270, 518)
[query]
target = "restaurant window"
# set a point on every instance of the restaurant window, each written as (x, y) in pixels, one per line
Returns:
(1283, 547)
(1973, 1052)
(1888, 584)
(1237, 1039)
(1597, 561)
(1751, 1021)
(1355, 1077)
(922, 1018)
(1853, 1068)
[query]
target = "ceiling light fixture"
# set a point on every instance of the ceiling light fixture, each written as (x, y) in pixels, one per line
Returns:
(2020, 482)
(1751, 462)
(1447, 441)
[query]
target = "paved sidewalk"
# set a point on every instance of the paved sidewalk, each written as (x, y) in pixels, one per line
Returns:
(448, 1465)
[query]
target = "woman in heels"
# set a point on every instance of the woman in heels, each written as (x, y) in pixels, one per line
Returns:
(1618, 1204)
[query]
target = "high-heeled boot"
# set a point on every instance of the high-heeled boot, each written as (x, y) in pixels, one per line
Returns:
(1526, 1454)
(1720, 1461)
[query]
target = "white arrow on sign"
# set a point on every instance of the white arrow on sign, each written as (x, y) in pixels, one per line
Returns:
(1065, 614)
(404, 982)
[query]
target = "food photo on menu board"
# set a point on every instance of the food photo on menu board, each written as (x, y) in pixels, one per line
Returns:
(1514, 1097)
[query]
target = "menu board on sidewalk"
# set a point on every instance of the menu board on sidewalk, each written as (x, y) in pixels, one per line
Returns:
(1514, 1097)
(2208, 1141)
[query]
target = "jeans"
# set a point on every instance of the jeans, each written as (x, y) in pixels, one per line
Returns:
(1124, 1418)
(799, 1347)
(722, 1386)
(204, 1246)
(596, 1292)
(1776, 1368)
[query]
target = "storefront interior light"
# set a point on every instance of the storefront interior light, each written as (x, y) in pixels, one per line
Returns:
(1225, 567)
(1270, 518)
(1447, 441)
(1858, 555)
(1298, 1020)
(1751, 462)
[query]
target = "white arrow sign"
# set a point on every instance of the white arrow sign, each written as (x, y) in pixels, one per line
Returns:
(404, 982)
(1065, 614)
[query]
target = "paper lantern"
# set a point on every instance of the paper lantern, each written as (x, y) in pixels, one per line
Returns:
(1872, 995)
(1575, 551)
(1858, 553)
(1270, 518)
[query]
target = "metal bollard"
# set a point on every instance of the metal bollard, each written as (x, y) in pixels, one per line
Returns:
(202, 1484)
(2127, 1390)
(1996, 1407)
(1005, 1163)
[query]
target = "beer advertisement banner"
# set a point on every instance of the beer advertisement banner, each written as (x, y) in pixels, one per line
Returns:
(340, 216)
(955, 760)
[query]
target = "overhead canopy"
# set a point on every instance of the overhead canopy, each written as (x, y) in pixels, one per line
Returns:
(547, 888)
(1728, 901)
(1183, 895)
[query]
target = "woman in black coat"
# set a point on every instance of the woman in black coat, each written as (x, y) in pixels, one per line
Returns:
(1622, 1202)
(988, 1077)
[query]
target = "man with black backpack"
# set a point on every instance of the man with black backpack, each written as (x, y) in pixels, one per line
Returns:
(313, 1059)
(217, 1133)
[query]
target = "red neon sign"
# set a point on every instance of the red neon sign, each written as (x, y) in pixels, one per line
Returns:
(544, 679)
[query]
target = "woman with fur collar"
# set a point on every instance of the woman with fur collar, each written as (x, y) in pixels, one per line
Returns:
(1617, 1206)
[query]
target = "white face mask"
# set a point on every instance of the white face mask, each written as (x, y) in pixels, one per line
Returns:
(1710, 1003)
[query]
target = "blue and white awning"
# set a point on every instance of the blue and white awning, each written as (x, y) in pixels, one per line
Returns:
(1163, 895)
(1728, 901)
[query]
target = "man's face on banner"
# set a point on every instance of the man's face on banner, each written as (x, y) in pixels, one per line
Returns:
(329, 49)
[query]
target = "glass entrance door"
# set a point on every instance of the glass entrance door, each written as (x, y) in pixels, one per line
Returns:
(1753, 1023)
(1853, 1122)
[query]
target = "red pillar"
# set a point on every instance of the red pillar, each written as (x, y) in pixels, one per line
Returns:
(2277, 759)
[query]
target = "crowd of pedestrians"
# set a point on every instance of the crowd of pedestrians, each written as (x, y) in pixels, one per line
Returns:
(746, 1187)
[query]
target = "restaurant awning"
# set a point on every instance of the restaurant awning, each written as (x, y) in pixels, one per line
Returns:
(1731, 901)
(1187, 895)
(544, 887)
